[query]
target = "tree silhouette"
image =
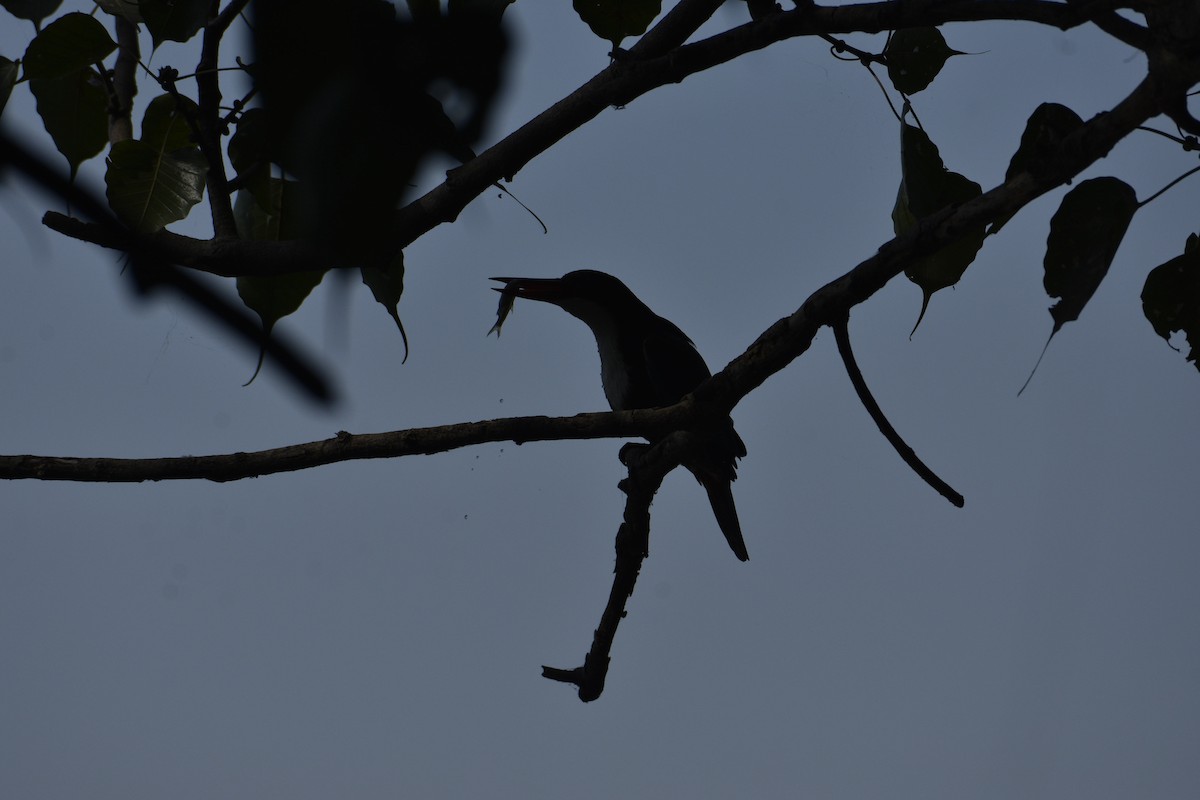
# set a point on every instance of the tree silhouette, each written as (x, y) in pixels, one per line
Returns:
(307, 172)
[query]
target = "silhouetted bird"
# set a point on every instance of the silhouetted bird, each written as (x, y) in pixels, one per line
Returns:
(645, 362)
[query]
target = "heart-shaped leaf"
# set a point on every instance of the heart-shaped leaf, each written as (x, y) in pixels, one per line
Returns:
(174, 20)
(74, 111)
(70, 43)
(926, 186)
(615, 19)
(149, 188)
(387, 284)
(32, 10)
(915, 56)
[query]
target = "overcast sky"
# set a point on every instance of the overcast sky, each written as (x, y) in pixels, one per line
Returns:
(377, 629)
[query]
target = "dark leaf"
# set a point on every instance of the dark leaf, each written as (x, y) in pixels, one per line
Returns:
(33, 10)
(423, 10)
(1085, 233)
(613, 20)
(174, 20)
(272, 297)
(67, 45)
(926, 186)
(165, 123)
(1045, 130)
(485, 9)
(74, 109)
(150, 187)
(354, 124)
(1171, 298)
(914, 58)
(128, 9)
(8, 78)
(387, 284)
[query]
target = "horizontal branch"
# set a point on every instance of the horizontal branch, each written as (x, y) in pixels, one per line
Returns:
(343, 447)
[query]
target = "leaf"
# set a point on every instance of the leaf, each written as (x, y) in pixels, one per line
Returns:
(1085, 233)
(1045, 130)
(272, 297)
(424, 9)
(67, 45)
(1171, 298)
(165, 123)
(355, 124)
(915, 56)
(8, 78)
(128, 9)
(150, 187)
(926, 187)
(174, 20)
(485, 9)
(74, 110)
(387, 284)
(615, 19)
(33, 10)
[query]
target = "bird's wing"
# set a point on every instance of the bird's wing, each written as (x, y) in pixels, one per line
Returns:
(673, 364)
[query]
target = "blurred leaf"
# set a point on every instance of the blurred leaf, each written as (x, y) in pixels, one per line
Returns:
(272, 297)
(354, 124)
(926, 187)
(1085, 233)
(128, 9)
(387, 284)
(915, 56)
(65, 46)
(615, 19)
(486, 9)
(1171, 298)
(8, 78)
(424, 9)
(1045, 129)
(249, 153)
(150, 187)
(74, 109)
(33, 10)
(174, 20)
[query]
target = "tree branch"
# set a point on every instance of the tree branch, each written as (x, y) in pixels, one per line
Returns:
(645, 67)
(777, 347)
(208, 90)
(124, 81)
(342, 447)
(841, 333)
(648, 466)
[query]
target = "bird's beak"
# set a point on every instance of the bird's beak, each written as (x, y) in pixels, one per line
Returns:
(549, 290)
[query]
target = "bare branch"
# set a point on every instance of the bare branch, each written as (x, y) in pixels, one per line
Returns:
(841, 332)
(124, 81)
(342, 447)
(208, 86)
(648, 465)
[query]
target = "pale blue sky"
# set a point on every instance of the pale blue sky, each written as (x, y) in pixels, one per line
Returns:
(376, 629)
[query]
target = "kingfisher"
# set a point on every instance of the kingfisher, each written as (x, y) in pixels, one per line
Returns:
(645, 362)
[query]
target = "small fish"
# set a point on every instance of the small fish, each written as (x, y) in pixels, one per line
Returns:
(508, 295)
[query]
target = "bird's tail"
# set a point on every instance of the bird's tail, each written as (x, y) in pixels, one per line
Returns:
(720, 496)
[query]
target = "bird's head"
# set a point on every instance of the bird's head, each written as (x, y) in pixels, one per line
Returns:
(595, 297)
